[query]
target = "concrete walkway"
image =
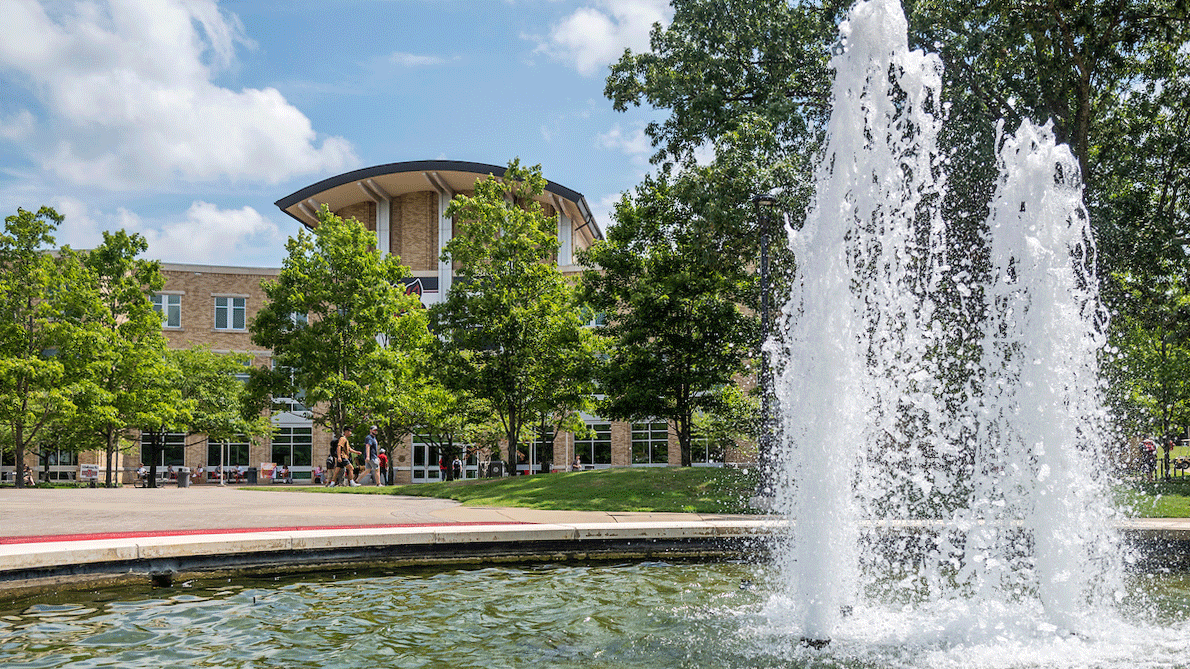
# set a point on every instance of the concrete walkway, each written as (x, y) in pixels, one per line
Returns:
(82, 511)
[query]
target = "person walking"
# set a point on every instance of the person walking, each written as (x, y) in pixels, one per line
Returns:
(343, 469)
(1148, 458)
(371, 458)
(383, 467)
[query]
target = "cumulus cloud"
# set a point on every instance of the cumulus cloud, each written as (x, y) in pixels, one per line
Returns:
(595, 36)
(127, 100)
(204, 234)
(208, 234)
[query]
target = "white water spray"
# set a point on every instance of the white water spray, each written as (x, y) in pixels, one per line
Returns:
(987, 441)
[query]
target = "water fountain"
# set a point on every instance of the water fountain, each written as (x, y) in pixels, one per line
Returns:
(963, 399)
(979, 443)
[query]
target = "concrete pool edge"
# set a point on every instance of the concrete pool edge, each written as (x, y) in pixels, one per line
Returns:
(44, 564)
(29, 568)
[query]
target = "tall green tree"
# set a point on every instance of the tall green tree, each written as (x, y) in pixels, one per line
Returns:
(674, 316)
(399, 386)
(511, 321)
(119, 354)
(217, 403)
(36, 294)
(1148, 365)
(1114, 79)
(163, 409)
(333, 320)
(750, 80)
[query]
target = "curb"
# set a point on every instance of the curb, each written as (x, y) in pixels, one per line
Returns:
(36, 567)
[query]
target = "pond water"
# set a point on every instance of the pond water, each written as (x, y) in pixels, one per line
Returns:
(598, 615)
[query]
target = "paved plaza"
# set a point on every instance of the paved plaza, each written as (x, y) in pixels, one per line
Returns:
(85, 511)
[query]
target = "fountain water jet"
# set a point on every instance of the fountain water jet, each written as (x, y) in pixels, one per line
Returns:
(891, 410)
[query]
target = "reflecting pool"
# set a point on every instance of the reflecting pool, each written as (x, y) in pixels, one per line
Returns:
(598, 615)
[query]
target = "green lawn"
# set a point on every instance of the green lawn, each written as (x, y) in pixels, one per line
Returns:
(681, 489)
(663, 489)
(1157, 499)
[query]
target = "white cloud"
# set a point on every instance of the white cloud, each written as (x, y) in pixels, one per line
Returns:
(414, 60)
(634, 143)
(593, 37)
(80, 228)
(208, 234)
(204, 234)
(18, 127)
(128, 99)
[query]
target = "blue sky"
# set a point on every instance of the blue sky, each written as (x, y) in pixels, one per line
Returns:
(184, 120)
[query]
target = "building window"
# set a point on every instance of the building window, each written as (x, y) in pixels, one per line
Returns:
(170, 308)
(173, 451)
(704, 451)
(235, 451)
(230, 313)
(292, 446)
(63, 465)
(650, 443)
(596, 450)
(541, 451)
(425, 459)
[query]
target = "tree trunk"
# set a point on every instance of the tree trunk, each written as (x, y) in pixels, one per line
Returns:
(110, 449)
(18, 473)
(154, 452)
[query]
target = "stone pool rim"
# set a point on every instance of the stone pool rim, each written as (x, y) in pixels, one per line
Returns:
(36, 564)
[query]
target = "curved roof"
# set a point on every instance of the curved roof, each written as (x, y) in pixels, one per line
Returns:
(393, 179)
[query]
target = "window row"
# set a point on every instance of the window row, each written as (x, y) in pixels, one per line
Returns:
(231, 313)
(291, 446)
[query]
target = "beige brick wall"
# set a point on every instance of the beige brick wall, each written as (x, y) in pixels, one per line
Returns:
(198, 286)
(414, 230)
(621, 444)
(364, 212)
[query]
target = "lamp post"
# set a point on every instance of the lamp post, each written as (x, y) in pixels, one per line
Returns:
(764, 203)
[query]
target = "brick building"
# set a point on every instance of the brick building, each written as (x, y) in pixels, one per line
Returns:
(404, 204)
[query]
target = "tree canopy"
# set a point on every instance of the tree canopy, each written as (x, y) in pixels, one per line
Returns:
(35, 296)
(510, 331)
(746, 83)
(119, 353)
(679, 335)
(335, 317)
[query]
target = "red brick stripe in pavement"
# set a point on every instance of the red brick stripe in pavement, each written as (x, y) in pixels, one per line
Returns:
(237, 530)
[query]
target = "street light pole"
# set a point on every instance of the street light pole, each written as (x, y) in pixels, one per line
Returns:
(764, 204)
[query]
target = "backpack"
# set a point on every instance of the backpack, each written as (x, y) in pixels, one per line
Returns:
(333, 457)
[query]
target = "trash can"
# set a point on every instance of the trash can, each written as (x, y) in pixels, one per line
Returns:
(252, 476)
(183, 477)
